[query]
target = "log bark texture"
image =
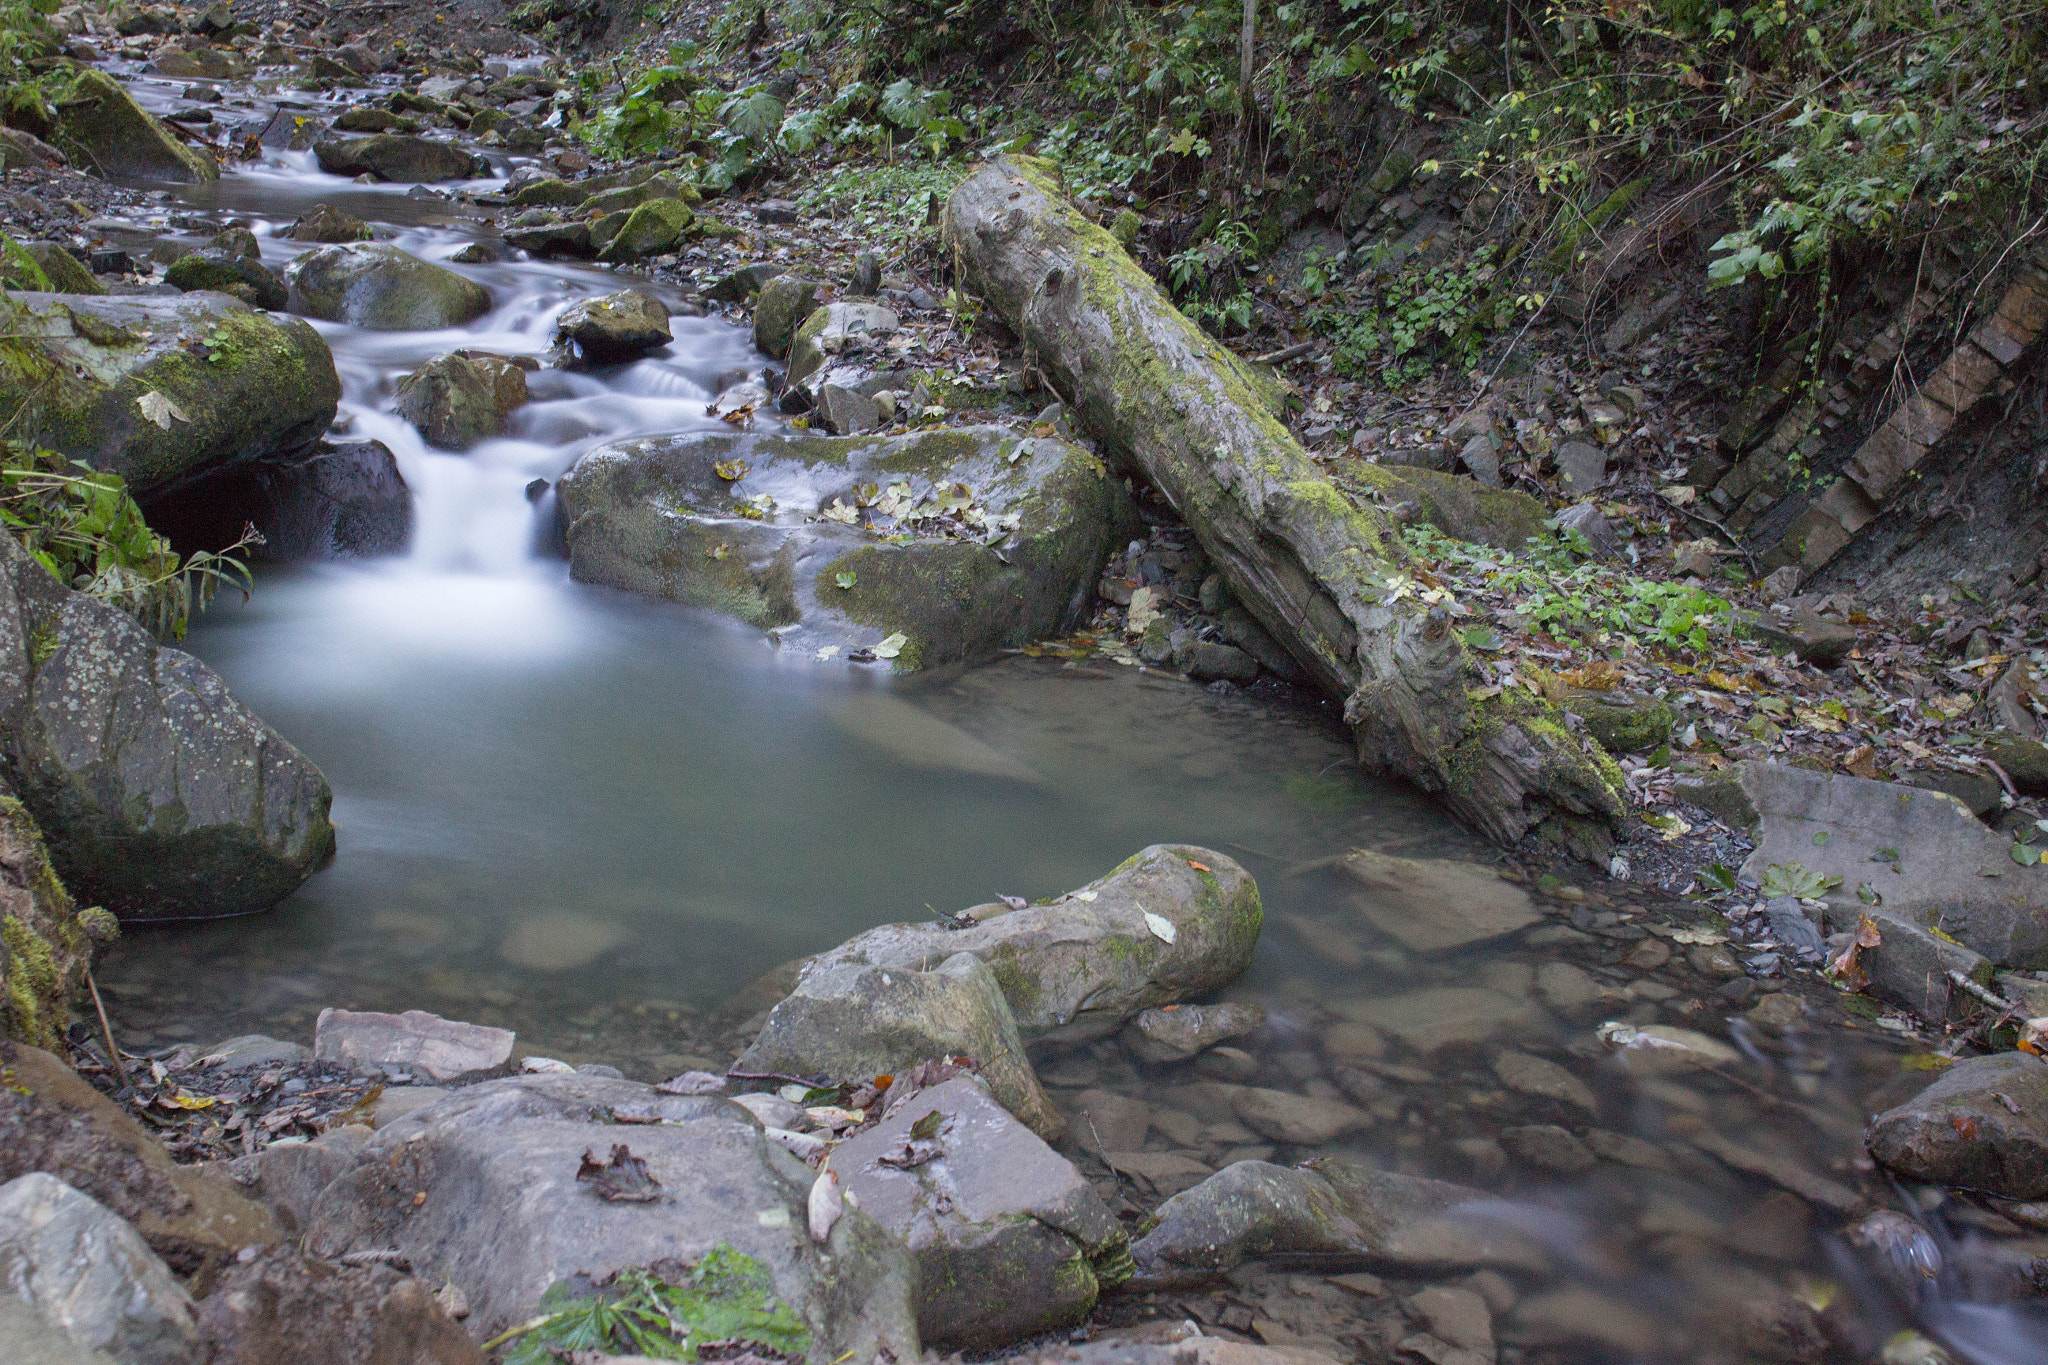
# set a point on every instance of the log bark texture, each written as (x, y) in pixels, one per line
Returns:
(1330, 579)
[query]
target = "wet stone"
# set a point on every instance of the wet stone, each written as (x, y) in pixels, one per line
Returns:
(1298, 1120)
(1543, 1079)
(442, 1048)
(1548, 1146)
(1174, 1033)
(1430, 905)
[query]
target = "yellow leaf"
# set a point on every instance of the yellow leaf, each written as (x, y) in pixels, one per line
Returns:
(1716, 678)
(185, 1100)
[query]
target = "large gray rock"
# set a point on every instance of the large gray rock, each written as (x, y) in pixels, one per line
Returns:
(1434, 904)
(1961, 1130)
(383, 289)
(1015, 559)
(242, 384)
(90, 1273)
(103, 130)
(832, 330)
(504, 1215)
(394, 156)
(284, 1306)
(457, 401)
(158, 791)
(850, 1020)
(785, 301)
(26, 1339)
(1010, 1239)
(1329, 1208)
(613, 328)
(1952, 872)
(1078, 968)
(345, 501)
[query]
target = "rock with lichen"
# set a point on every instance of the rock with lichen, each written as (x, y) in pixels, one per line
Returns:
(47, 938)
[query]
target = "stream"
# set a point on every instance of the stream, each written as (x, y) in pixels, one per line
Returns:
(598, 819)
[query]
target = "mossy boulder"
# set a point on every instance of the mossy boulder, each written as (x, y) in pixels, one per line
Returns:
(657, 226)
(550, 193)
(784, 302)
(382, 289)
(613, 328)
(159, 793)
(1077, 967)
(456, 400)
(1623, 722)
(327, 224)
(101, 127)
(63, 272)
(242, 384)
(633, 196)
(805, 541)
(1459, 506)
(399, 158)
(230, 272)
(45, 941)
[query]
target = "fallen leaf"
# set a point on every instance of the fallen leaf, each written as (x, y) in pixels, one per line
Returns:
(160, 409)
(928, 1126)
(1161, 927)
(845, 578)
(827, 1202)
(891, 646)
(732, 471)
(1965, 1126)
(1199, 867)
(624, 1179)
(2012, 1105)
(1085, 895)
(1014, 902)
(718, 551)
(1143, 611)
(840, 512)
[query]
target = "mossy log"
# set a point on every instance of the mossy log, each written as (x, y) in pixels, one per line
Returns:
(1329, 578)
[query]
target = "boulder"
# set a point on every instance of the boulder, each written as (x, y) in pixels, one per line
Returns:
(443, 1048)
(571, 240)
(456, 401)
(830, 330)
(550, 193)
(159, 793)
(286, 1178)
(1624, 722)
(89, 1273)
(613, 328)
(1032, 522)
(655, 227)
(784, 301)
(846, 412)
(229, 272)
(504, 1215)
(633, 195)
(1982, 1125)
(395, 157)
(370, 119)
(1010, 1239)
(26, 1339)
(1211, 660)
(852, 1021)
(1462, 508)
(1079, 967)
(49, 947)
(336, 501)
(52, 1121)
(325, 223)
(383, 289)
(1174, 1033)
(101, 127)
(284, 1306)
(241, 384)
(1939, 868)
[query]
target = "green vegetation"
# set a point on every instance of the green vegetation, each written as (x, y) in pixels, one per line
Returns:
(727, 1297)
(83, 527)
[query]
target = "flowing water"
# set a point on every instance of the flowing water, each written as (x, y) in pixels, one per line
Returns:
(597, 819)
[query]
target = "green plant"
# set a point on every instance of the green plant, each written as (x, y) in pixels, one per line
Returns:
(654, 112)
(1210, 279)
(727, 1297)
(1423, 315)
(82, 526)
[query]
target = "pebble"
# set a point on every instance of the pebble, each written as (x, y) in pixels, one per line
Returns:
(1459, 1316)
(1231, 1064)
(1548, 1146)
(1299, 1120)
(1648, 955)
(1543, 1079)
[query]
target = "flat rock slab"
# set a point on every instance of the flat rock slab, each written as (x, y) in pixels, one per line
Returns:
(89, 1273)
(1983, 1126)
(503, 1215)
(795, 534)
(1952, 873)
(443, 1048)
(1440, 1016)
(1078, 968)
(269, 388)
(1006, 1232)
(1430, 905)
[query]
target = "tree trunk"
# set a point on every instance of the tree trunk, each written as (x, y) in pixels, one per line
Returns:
(1329, 579)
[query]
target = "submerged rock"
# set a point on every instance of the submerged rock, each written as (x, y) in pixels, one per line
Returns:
(614, 328)
(241, 384)
(382, 289)
(1430, 905)
(1174, 1033)
(101, 127)
(786, 543)
(49, 944)
(90, 1274)
(1010, 1239)
(336, 501)
(392, 156)
(1983, 1125)
(850, 1020)
(504, 1215)
(159, 793)
(1079, 967)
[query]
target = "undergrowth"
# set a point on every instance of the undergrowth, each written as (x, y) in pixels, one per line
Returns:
(727, 1299)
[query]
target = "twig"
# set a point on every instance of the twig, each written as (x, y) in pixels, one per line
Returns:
(804, 1081)
(1286, 353)
(1970, 987)
(113, 1049)
(2004, 781)
(1733, 539)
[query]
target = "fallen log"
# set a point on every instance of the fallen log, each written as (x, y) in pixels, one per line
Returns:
(1328, 578)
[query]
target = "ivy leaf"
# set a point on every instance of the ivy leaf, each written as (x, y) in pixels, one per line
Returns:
(845, 579)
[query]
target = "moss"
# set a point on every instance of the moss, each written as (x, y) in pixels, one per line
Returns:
(18, 269)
